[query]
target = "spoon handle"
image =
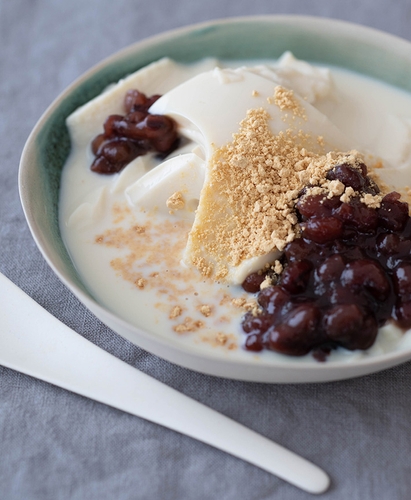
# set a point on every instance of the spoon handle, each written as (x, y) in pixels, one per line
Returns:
(34, 342)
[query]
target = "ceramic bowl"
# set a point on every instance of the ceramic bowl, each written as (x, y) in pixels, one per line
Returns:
(323, 41)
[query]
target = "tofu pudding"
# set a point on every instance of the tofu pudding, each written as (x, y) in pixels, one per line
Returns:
(209, 170)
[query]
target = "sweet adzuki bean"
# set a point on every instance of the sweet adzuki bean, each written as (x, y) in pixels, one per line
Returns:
(134, 134)
(348, 274)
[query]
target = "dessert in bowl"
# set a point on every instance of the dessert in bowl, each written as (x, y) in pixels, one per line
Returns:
(126, 233)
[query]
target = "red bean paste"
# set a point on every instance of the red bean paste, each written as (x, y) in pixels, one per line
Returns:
(135, 134)
(347, 274)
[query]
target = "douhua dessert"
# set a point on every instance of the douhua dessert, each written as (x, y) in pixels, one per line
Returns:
(227, 183)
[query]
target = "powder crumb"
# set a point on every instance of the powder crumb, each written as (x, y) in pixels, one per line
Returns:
(239, 302)
(252, 307)
(278, 267)
(285, 100)
(372, 201)
(255, 93)
(205, 310)
(221, 338)
(335, 188)
(175, 312)
(188, 326)
(242, 303)
(141, 283)
(314, 191)
(348, 194)
(175, 202)
(266, 283)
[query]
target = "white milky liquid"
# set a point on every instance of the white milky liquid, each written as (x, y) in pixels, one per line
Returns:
(130, 260)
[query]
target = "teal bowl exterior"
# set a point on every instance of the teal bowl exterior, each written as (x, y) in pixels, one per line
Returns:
(324, 41)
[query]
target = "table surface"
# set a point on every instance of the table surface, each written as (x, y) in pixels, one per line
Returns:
(57, 445)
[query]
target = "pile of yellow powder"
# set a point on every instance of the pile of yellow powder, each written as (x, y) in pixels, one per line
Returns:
(247, 206)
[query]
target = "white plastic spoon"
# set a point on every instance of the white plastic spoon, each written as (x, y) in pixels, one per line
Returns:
(34, 342)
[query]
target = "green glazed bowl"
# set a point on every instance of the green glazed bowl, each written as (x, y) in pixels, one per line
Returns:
(324, 41)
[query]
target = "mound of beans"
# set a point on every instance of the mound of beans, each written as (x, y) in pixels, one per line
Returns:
(134, 134)
(347, 275)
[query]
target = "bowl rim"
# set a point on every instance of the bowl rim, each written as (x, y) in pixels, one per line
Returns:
(175, 350)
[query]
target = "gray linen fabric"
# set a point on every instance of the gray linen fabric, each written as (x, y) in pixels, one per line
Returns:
(57, 445)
